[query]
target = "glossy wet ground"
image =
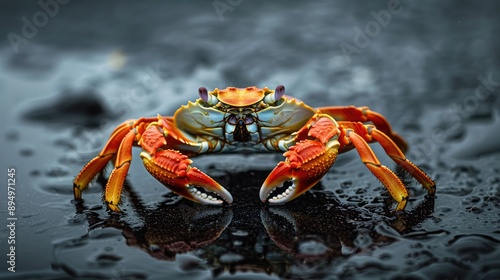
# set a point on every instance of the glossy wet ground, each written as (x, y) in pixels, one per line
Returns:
(432, 70)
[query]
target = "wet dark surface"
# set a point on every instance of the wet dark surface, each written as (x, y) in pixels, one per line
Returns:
(433, 70)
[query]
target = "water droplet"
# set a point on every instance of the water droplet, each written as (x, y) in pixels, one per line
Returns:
(313, 248)
(229, 258)
(444, 210)
(474, 210)
(385, 256)
(346, 184)
(154, 248)
(77, 219)
(363, 240)
(106, 259)
(240, 233)
(104, 233)
(189, 262)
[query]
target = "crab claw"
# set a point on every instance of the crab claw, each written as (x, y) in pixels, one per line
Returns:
(306, 163)
(173, 170)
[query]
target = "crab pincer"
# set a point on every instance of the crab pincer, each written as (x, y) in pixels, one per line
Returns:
(306, 162)
(173, 169)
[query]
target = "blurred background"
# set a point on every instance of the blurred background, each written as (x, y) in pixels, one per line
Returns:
(73, 70)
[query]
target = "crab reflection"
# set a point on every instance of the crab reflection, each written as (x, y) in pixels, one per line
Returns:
(302, 237)
(317, 233)
(169, 229)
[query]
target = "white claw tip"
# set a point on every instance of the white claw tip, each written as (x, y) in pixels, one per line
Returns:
(283, 197)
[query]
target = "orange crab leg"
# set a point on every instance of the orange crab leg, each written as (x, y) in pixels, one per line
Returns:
(119, 173)
(107, 153)
(370, 134)
(384, 174)
(393, 151)
(99, 162)
(364, 114)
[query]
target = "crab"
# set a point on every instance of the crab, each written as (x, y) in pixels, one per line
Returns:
(251, 119)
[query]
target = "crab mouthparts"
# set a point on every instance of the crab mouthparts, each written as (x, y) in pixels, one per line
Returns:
(280, 194)
(204, 196)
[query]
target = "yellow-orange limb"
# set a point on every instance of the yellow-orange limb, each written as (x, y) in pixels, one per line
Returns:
(119, 173)
(364, 114)
(383, 174)
(99, 162)
(397, 155)
(371, 133)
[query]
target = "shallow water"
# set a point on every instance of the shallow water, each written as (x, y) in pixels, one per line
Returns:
(433, 69)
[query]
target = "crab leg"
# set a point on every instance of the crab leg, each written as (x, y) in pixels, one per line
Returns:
(107, 153)
(397, 155)
(364, 114)
(99, 162)
(359, 134)
(119, 173)
(371, 134)
(384, 174)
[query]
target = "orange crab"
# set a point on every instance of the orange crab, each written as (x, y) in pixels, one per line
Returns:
(234, 120)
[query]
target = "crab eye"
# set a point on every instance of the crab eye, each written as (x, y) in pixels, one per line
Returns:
(203, 92)
(278, 93)
(207, 97)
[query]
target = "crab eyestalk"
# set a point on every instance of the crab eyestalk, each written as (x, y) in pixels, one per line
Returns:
(273, 97)
(207, 96)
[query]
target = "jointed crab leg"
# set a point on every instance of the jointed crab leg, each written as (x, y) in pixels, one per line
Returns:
(384, 174)
(107, 153)
(353, 132)
(371, 134)
(392, 150)
(99, 162)
(364, 114)
(119, 173)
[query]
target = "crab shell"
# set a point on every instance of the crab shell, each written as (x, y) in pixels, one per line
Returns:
(267, 115)
(241, 97)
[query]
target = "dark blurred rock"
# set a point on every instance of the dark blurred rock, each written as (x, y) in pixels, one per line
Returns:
(83, 108)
